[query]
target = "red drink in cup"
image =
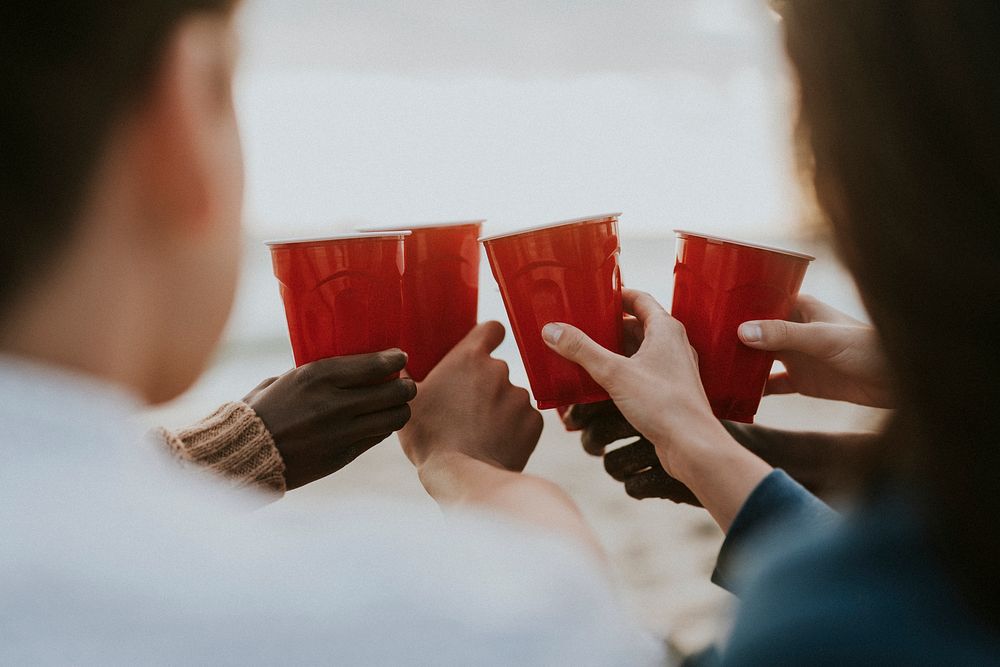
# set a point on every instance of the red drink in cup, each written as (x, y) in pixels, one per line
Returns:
(342, 294)
(440, 291)
(718, 285)
(564, 272)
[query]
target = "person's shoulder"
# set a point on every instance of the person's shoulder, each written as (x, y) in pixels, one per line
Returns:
(811, 607)
(474, 590)
(367, 582)
(865, 593)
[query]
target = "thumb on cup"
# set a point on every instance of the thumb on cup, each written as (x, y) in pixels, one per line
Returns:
(815, 339)
(771, 335)
(571, 343)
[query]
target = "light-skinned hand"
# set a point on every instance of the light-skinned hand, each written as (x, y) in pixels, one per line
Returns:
(826, 354)
(658, 390)
(467, 406)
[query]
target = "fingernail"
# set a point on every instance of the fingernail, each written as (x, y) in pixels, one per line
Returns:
(750, 332)
(552, 332)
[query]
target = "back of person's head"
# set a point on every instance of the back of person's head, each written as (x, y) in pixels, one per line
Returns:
(84, 80)
(900, 104)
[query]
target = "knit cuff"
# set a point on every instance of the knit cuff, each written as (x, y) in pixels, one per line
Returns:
(233, 443)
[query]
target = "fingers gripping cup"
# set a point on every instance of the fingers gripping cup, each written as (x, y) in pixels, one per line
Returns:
(440, 291)
(342, 294)
(564, 272)
(718, 285)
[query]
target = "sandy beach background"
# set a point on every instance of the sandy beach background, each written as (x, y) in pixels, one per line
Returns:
(662, 553)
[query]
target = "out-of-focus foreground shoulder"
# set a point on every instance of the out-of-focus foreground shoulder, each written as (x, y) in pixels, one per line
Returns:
(868, 592)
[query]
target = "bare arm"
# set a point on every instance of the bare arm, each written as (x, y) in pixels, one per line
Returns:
(467, 483)
(471, 435)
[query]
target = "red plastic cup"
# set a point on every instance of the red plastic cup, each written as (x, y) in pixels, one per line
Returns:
(342, 294)
(563, 272)
(718, 285)
(440, 291)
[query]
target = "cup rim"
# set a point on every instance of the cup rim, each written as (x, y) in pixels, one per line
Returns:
(683, 233)
(356, 236)
(601, 217)
(422, 225)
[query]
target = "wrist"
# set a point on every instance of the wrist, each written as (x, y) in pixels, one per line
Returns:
(703, 445)
(448, 476)
(719, 471)
(437, 462)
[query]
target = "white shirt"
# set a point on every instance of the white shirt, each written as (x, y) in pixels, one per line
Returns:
(111, 554)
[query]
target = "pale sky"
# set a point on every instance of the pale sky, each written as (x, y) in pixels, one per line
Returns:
(387, 112)
(513, 37)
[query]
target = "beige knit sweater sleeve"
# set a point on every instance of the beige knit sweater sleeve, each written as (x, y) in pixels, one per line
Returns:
(233, 443)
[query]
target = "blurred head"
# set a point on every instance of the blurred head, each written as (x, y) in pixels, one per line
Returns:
(121, 174)
(899, 102)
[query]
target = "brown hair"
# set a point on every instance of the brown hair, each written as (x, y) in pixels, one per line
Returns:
(69, 72)
(901, 104)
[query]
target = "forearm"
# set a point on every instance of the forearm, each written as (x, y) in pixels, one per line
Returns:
(232, 443)
(824, 463)
(459, 481)
(718, 470)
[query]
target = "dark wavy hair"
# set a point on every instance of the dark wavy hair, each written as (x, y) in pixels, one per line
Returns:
(69, 72)
(900, 102)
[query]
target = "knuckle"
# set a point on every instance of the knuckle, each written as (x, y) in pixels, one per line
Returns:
(337, 401)
(536, 423)
(572, 342)
(642, 295)
(673, 325)
(385, 362)
(500, 368)
(780, 331)
(466, 354)
(400, 417)
(591, 445)
(634, 488)
(410, 388)
(807, 300)
(306, 375)
(494, 328)
(403, 390)
(345, 402)
(484, 335)
(611, 464)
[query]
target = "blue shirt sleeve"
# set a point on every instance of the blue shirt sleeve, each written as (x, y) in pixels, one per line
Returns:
(777, 501)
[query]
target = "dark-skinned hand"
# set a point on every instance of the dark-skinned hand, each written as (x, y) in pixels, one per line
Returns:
(822, 462)
(325, 414)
